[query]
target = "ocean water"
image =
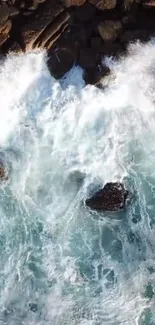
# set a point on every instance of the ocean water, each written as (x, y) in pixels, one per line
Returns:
(60, 263)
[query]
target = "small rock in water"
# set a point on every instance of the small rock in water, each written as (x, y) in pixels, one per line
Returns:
(111, 198)
(3, 172)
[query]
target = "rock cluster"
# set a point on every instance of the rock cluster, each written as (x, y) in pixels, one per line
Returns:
(75, 31)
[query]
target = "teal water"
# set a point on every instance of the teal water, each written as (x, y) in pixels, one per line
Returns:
(61, 264)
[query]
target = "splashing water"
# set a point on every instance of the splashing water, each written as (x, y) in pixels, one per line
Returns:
(60, 264)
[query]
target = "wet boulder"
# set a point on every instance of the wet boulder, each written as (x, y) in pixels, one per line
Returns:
(3, 172)
(103, 4)
(110, 30)
(69, 3)
(112, 197)
(46, 28)
(61, 61)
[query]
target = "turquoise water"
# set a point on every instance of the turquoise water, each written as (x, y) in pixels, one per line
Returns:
(61, 264)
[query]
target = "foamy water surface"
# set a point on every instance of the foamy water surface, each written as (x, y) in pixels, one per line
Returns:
(61, 264)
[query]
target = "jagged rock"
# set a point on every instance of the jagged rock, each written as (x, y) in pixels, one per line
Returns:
(111, 49)
(15, 48)
(4, 31)
(85, 12)
(69, 3)
(50, 35)
(103, 4)
(110, 30)
(4, 13)
(111, 198)
(41, 31)
(94, 75)
(61, 61)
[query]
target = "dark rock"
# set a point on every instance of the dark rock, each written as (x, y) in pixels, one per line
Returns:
(133, 35)
(34, 5)
(4, 31)
(61, 61)
(110, 30)
(85, 12)
(111, 49)
(103, 4)
(134, 220)
(13, 11)
(111, 198)
(96, 43)
(69, 3)
(87, 58)
(130, 5)
(4, 13)
(15, 48)
(94, 75)
(50, 35)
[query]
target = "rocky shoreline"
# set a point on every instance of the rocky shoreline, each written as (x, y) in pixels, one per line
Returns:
(75, 31)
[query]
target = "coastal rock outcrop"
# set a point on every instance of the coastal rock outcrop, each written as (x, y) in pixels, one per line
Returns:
(88, 30)
(112, 197)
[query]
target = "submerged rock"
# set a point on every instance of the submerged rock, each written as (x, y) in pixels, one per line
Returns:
(111, 198)
(33, 307)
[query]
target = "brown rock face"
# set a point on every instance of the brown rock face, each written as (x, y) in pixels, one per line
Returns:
(103, 4)
(46, 27)
(4, 31)
(110, 30)
(111, 198)
(69, 3)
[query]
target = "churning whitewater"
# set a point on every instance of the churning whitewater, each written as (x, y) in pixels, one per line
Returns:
(60, 263)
